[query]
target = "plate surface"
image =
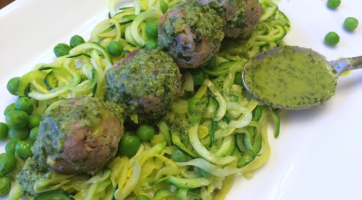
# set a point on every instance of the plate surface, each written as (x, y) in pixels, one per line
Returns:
(318, 153)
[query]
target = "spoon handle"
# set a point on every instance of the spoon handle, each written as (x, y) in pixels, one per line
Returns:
(347, 64)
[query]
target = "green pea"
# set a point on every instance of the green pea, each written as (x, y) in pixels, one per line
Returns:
(61, 49)
(179, 156)
(238, 80)
(10, 146)
(152, 30)
(17, 118)
(4, 129)
(142, 197)
(25, 105)
(193, 104)
(19, 97)
(9, 108)
(129, 144)
(5, 186)
(151, 44)
(34, 121)
(7, 163)
(331, 38)
(145, 132)
(164, 6)
(76, 40)
(350, 23)
(333, 3)
(19, 133)
(23, 149)
(13, 85)
(212, 63)
(115, 48)
(204, 173)
(197, 76)
(33, 133)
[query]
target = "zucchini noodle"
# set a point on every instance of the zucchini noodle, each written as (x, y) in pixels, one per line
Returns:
(220, 99)
(200, 149)
(223, 136)
(243, 120)
(122, 193)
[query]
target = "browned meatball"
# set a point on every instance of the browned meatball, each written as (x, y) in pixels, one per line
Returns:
(127, 58)
(240, 16)
(145, 83)
(80, 135)
(191, 33)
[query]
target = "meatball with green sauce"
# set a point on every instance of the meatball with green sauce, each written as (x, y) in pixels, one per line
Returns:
(191, 32)
(240, 16)
(80, 135)
(145, 83)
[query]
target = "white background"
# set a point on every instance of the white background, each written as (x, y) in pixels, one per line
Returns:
(318, 154)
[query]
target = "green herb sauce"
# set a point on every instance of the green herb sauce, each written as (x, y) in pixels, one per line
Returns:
(150, 76)
(290, 78)
(28, 176)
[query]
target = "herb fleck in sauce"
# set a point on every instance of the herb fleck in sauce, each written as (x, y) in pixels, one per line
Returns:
(290, 78)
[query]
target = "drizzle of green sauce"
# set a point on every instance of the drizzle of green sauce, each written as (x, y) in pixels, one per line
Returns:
(291, 79)
(346, 73)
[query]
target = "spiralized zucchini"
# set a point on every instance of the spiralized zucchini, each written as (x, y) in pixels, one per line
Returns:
(224, 135)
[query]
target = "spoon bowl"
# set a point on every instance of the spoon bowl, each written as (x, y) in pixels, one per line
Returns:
(260, 62)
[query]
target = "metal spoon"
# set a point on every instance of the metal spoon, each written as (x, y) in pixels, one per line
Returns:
(338, 66)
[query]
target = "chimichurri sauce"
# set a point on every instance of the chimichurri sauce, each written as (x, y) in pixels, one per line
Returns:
(290, 78)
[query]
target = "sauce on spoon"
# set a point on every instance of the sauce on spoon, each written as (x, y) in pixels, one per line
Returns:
(290, 79)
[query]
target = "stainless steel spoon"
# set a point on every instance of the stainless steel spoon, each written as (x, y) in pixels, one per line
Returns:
(338, 66)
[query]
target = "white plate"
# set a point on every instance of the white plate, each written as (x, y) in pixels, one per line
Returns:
(318, 153)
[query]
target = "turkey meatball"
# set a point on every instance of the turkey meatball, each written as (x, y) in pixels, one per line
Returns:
(145, 83)
(191, 32)
(80, 135)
